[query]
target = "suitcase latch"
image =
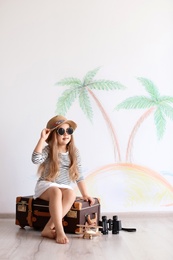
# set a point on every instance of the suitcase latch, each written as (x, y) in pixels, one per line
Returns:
(22, 206)
(72, 214)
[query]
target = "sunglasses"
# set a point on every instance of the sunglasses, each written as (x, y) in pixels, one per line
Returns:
(61, 131)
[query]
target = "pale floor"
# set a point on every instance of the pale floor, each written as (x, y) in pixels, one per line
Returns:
(153, 240)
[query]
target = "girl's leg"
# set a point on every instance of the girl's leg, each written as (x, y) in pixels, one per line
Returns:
(60, 201)
(54, 196)
(49, 229)
(68, 198)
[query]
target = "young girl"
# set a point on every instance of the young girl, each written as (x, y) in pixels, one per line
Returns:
(59, 165)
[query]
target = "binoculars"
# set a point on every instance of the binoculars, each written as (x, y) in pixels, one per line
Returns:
(113, 225)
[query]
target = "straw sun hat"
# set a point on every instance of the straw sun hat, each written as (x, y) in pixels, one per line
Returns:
(57, 121)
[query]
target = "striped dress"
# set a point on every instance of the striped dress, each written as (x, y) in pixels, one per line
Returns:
(63, 180)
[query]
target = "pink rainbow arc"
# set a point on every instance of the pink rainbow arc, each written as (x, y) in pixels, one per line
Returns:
(132, 168)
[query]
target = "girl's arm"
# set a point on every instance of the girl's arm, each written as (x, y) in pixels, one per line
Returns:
(82, 187)
(40, 152)
(44, 135)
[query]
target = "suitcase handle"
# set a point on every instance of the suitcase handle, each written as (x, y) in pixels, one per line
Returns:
(90, 221)
(41, 214)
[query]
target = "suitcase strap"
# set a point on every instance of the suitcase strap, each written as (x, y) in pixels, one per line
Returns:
(29, 217)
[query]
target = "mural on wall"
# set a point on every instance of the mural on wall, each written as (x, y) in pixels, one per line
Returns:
(142, 185)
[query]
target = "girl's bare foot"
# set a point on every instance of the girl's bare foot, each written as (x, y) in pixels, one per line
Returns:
(61, 238)
(48, 232)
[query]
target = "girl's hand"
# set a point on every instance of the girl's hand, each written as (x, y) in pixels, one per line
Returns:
(45, 133)
(89, 199)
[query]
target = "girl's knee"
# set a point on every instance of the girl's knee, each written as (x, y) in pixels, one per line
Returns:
(70, 194)
(55, 191)
(52, 191)
(73, 195)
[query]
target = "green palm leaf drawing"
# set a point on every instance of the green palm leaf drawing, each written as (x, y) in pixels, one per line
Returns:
(154, 103)
(150, 88)
(137, 102)
(167, 110)
(71, 82)
(89, 76)
(81, 90)
(105, 85)
(85, 104)
(66, 100)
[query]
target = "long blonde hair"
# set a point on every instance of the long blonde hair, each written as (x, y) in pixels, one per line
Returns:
(54, 160)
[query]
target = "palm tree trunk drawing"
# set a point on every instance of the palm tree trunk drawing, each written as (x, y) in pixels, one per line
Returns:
(133, 134)
(109, 125)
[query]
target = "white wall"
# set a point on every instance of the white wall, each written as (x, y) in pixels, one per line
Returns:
(43, 42)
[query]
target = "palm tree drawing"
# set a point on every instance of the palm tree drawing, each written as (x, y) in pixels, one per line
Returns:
(81, 89)
(154, 103)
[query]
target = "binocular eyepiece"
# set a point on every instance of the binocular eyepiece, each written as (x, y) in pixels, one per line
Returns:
(113, 225)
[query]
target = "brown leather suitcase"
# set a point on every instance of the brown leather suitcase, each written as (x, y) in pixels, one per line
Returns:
(35, 213)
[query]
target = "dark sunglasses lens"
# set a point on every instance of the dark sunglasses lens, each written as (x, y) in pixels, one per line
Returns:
(60, 131)
(69, 131)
